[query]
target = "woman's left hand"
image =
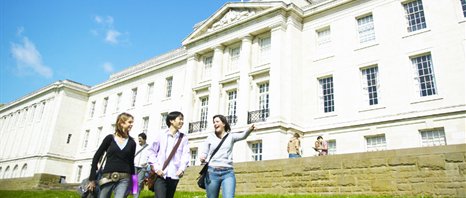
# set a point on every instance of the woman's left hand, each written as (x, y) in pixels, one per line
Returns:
(252, 127)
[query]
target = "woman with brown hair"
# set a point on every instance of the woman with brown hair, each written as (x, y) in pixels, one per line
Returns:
(119, 165)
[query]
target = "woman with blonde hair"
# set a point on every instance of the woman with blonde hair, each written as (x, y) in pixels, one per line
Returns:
(119, 165)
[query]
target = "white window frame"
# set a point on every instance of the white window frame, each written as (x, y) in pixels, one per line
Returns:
(370, 84)
(425, 82)
(412, 17)
(265, 49)
(163, 124)
(264, 99)
(433, 137)
(324, 36)
(78, 173)
(98, 134)
(169, 86)
(376, 143)
(366, 30)
(332, 147)
(207, 62)
(232, 105)
(193, 153)
(150, 92)
(118, 101)
(256, 149)
(234, 58)
(86, 138)
(327, 100)
(92, 109)
(134, 94)
(145, 124)
(104, 105)
(203, 112)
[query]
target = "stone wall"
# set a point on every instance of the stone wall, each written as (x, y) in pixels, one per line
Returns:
(432, 171)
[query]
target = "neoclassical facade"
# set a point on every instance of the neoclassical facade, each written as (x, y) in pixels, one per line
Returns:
(366, 75)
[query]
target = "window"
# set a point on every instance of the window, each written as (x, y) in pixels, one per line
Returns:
(463, 4)
(91, 112)
(425, 75)
(332, 147)
(231, 111)
(323, 36)
(234, 59)
(145, 121)
(33, 113)
(256, 149)
(68, 139)
(117, 107)
(433, 137)
(207, 62)
(104, 105)
(78, 175)
(264, 49)
(134, 94)
(376, 143)
(6, 174)
(204, 112)
(366, 29)
(193, 156)
(169, 83)
(370, 84)
(86, 139)
(15, 172)
(23, 170)
(164, 118)
(415, 15)
(264, 99)
(112, 126)
(327, 98)
(1, 176)
(99, 132)
(150, 92)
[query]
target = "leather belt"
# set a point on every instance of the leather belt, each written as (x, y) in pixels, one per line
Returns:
(113, 177)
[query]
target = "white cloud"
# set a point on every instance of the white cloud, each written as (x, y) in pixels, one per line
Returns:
(108, 67)
(112, 36)
(27, 57)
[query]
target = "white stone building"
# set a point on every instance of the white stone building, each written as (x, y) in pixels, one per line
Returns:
(366, 75)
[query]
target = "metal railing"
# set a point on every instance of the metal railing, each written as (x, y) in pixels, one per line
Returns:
(197, 126)
(258, 116)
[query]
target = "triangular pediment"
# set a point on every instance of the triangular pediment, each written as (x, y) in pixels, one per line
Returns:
(229, 15)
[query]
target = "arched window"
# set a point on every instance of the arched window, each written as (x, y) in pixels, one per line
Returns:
(24, 170)
(6, 173)
(15, 172)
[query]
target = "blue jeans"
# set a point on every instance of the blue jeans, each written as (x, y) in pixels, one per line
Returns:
(119, 188)
(294, 155)
(141, 175)
(220, 177)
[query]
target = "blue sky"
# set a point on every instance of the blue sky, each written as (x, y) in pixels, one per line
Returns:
(44, 41)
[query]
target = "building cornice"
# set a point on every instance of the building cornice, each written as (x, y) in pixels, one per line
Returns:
(157, 62)
(49, 88)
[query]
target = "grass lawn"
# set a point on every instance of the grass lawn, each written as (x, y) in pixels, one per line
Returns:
(149, 194)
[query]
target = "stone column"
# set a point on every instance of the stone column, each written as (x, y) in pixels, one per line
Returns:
(188, 97)
(244, 81)
(277, 70)
(214, 90)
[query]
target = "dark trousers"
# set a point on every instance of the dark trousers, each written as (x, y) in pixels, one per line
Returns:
(165, 188)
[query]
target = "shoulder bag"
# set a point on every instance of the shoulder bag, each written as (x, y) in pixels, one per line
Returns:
(150, 180)
(203, 172)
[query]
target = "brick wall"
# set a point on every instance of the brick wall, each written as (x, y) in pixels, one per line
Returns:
(433, 171)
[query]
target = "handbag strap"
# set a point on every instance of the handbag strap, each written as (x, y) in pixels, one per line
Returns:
(218, 147)
(165, 164)
(140, 150)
